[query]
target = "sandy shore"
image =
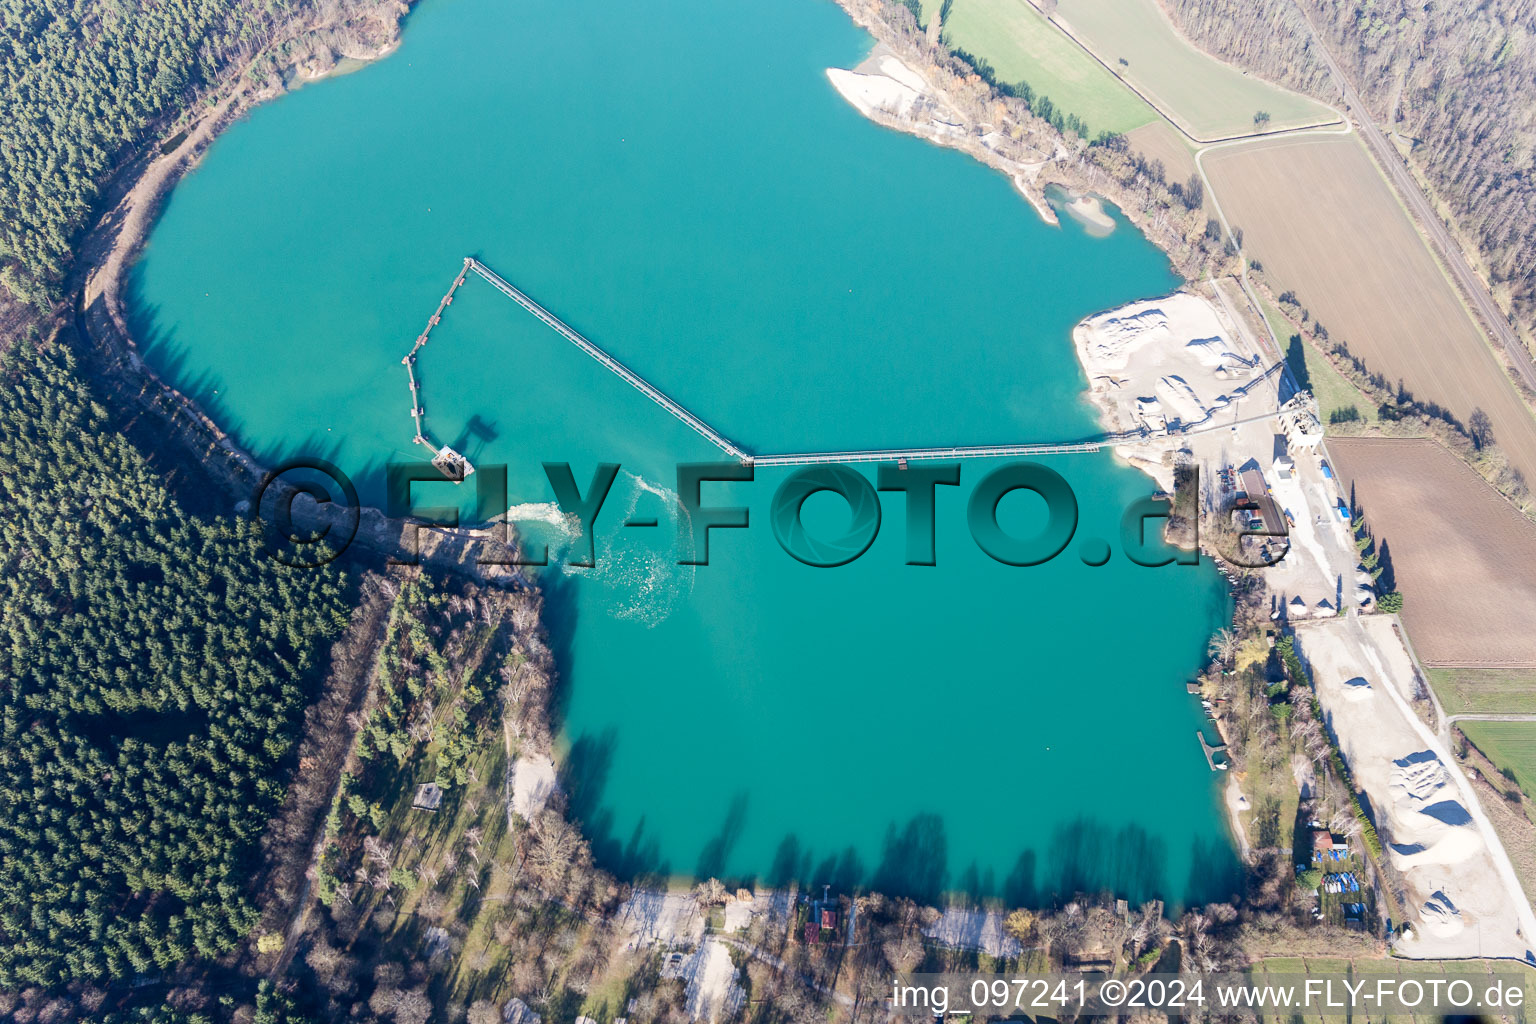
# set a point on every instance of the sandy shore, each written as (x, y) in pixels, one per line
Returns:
(880, 84)
(533, 782)
(1237, 806)
(132, 199)
(888, 91)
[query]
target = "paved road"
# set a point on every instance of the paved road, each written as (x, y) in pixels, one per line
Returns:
(1450, 253)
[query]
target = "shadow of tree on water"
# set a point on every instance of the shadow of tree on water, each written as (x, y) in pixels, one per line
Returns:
(915, 860)
(1082, 857)
(717, 852)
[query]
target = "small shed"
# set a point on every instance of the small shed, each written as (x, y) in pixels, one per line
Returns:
(429, 797)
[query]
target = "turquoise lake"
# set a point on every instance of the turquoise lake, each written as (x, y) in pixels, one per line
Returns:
(679, 181)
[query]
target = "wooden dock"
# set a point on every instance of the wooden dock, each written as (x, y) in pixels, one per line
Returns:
(1211, 750)
(452, 465)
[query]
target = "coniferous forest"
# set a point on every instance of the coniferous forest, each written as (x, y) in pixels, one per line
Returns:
(151, 682)
(80, 81)
(84, 84)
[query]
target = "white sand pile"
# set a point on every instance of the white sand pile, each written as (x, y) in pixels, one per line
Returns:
(1176, 393)
(533, 783)
(1419, 776)
(1213, 352)
(1172, 360)
(1439, 916)
(1455, 846)
(1358, 689)
(871, 93)
(1430, 824)
(1462, 902)
(1113, 337)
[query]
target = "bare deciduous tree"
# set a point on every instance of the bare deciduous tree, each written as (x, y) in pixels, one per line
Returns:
(709, 893)
(1224, 645)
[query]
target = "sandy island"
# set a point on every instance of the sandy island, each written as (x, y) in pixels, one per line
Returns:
(1088, 210)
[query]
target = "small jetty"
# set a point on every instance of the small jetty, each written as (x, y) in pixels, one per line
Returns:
(448, 462)
(1211, 750)
(623, 372)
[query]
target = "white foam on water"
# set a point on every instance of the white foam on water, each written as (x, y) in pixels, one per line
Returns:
(545, 512)
(647, 581)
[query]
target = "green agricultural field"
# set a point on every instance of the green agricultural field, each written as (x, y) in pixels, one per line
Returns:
(1485, 690)
(1022, 46)
(1510, 745)
(1268, 971)
(1315, 373)
(1209, 99)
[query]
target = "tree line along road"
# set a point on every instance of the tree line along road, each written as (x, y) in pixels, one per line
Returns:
(1451, 255)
